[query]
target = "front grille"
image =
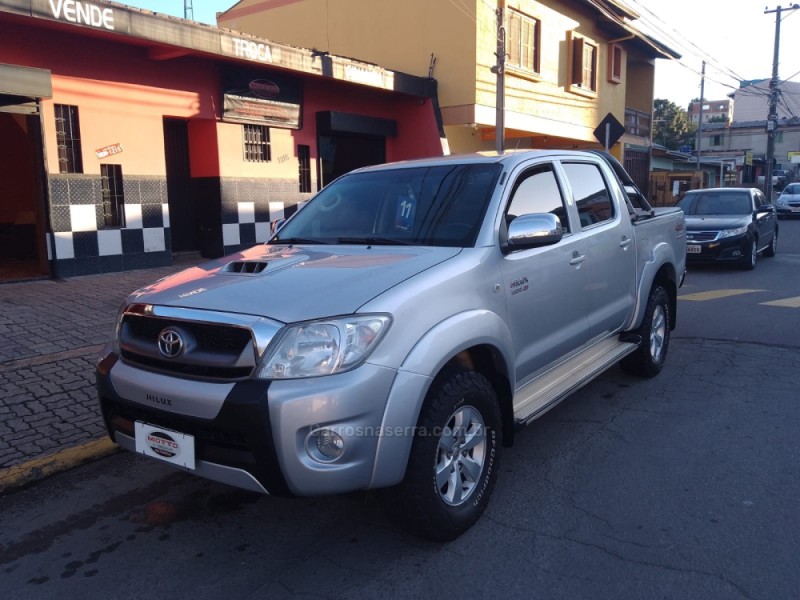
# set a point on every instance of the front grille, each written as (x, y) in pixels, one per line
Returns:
(221, 339)
(208, 350)
(701, 236)
(187, 370)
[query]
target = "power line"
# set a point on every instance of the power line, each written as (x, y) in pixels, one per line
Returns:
(660, 26)
(463, 10)
(782, 99)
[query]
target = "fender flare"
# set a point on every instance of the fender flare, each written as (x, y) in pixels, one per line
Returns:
(456, 333)
(425, 360)
(661, 255)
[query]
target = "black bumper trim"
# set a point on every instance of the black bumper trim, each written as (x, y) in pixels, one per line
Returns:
(239, 436)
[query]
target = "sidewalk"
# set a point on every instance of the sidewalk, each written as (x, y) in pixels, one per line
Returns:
(51, 332)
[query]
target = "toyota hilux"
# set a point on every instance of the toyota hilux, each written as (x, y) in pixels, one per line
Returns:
(398, 329)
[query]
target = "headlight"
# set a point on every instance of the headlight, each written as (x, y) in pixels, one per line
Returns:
(323, 347)
(782, 201)
(732, 232)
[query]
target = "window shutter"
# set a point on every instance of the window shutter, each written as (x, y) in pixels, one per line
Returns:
(577, 61)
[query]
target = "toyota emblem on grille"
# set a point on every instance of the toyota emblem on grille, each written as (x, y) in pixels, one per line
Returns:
(170, 342)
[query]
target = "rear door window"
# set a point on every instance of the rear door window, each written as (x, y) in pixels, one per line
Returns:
(589, 189)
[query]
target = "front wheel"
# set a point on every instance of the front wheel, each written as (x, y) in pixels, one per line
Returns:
(648, 359)
(750, 256)
(453, 464)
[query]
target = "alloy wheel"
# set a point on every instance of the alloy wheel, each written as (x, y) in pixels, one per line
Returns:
(460, 455)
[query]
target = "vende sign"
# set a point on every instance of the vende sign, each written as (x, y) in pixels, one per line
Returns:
(83, 13)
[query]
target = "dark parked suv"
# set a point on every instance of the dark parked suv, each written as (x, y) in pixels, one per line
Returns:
(729, 224)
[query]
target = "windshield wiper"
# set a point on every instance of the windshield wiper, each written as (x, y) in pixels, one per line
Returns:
(373, 241)
(296, 240)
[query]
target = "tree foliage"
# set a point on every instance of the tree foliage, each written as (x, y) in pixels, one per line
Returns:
(671, 125)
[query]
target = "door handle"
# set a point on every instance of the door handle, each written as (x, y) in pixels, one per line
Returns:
(577, 259)
(625, 243)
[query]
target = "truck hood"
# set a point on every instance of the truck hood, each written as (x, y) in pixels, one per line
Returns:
(293, 283)
(716, 222)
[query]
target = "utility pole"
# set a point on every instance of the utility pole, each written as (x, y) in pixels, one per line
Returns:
(700, 120)
(772, 116)
(499, 69)
(188, 13)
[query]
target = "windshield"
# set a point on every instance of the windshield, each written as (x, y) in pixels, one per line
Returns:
(432, 206)
(793, 189)
(717, 203)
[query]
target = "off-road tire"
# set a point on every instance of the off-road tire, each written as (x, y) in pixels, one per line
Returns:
(418, 502)
(648, 359)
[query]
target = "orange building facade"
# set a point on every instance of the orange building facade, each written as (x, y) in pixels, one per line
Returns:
(127, 137)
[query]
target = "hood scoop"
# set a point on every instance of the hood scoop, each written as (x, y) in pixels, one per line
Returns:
(251, 267)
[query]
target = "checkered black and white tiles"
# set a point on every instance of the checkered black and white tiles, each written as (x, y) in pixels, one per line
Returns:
(84, 239)
(80, 242)
(240, 214)
(248, 230)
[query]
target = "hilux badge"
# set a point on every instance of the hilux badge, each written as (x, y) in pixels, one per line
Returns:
(170, 342)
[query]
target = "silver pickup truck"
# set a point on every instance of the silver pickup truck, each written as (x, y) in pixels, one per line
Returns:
(397, 329)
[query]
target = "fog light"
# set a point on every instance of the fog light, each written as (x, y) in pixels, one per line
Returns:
(329, 444)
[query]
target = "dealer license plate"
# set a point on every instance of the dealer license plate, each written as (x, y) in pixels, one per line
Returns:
(692, 249)
(164, 444)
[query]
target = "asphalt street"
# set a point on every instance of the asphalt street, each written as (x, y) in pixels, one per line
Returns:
(683, 486)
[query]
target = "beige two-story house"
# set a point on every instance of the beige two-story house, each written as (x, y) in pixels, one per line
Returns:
(568, 63)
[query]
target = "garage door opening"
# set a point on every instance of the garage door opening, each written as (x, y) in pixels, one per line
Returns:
(347, 141)
(23, 253)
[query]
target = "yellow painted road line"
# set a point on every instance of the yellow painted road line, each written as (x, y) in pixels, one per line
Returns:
(786, 302)
(55, 463)
(716, 294)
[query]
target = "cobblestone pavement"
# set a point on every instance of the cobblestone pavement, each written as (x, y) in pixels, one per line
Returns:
(51, 332)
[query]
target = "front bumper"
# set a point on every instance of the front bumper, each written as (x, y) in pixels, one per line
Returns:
(788, 210)
(729, 249)
(257, 438)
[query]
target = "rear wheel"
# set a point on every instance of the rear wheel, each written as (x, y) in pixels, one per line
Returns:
(649, 357)
(453, 464)
(751, 255)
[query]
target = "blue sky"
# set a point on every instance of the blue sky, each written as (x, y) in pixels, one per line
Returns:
(204, 11)
(735, 37)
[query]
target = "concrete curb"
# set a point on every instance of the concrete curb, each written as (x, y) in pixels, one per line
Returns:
(39, 468)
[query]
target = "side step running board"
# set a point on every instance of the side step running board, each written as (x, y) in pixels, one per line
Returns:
(546, 391)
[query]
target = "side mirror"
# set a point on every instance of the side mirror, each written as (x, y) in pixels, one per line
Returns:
(531, 231)
(275, 225)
